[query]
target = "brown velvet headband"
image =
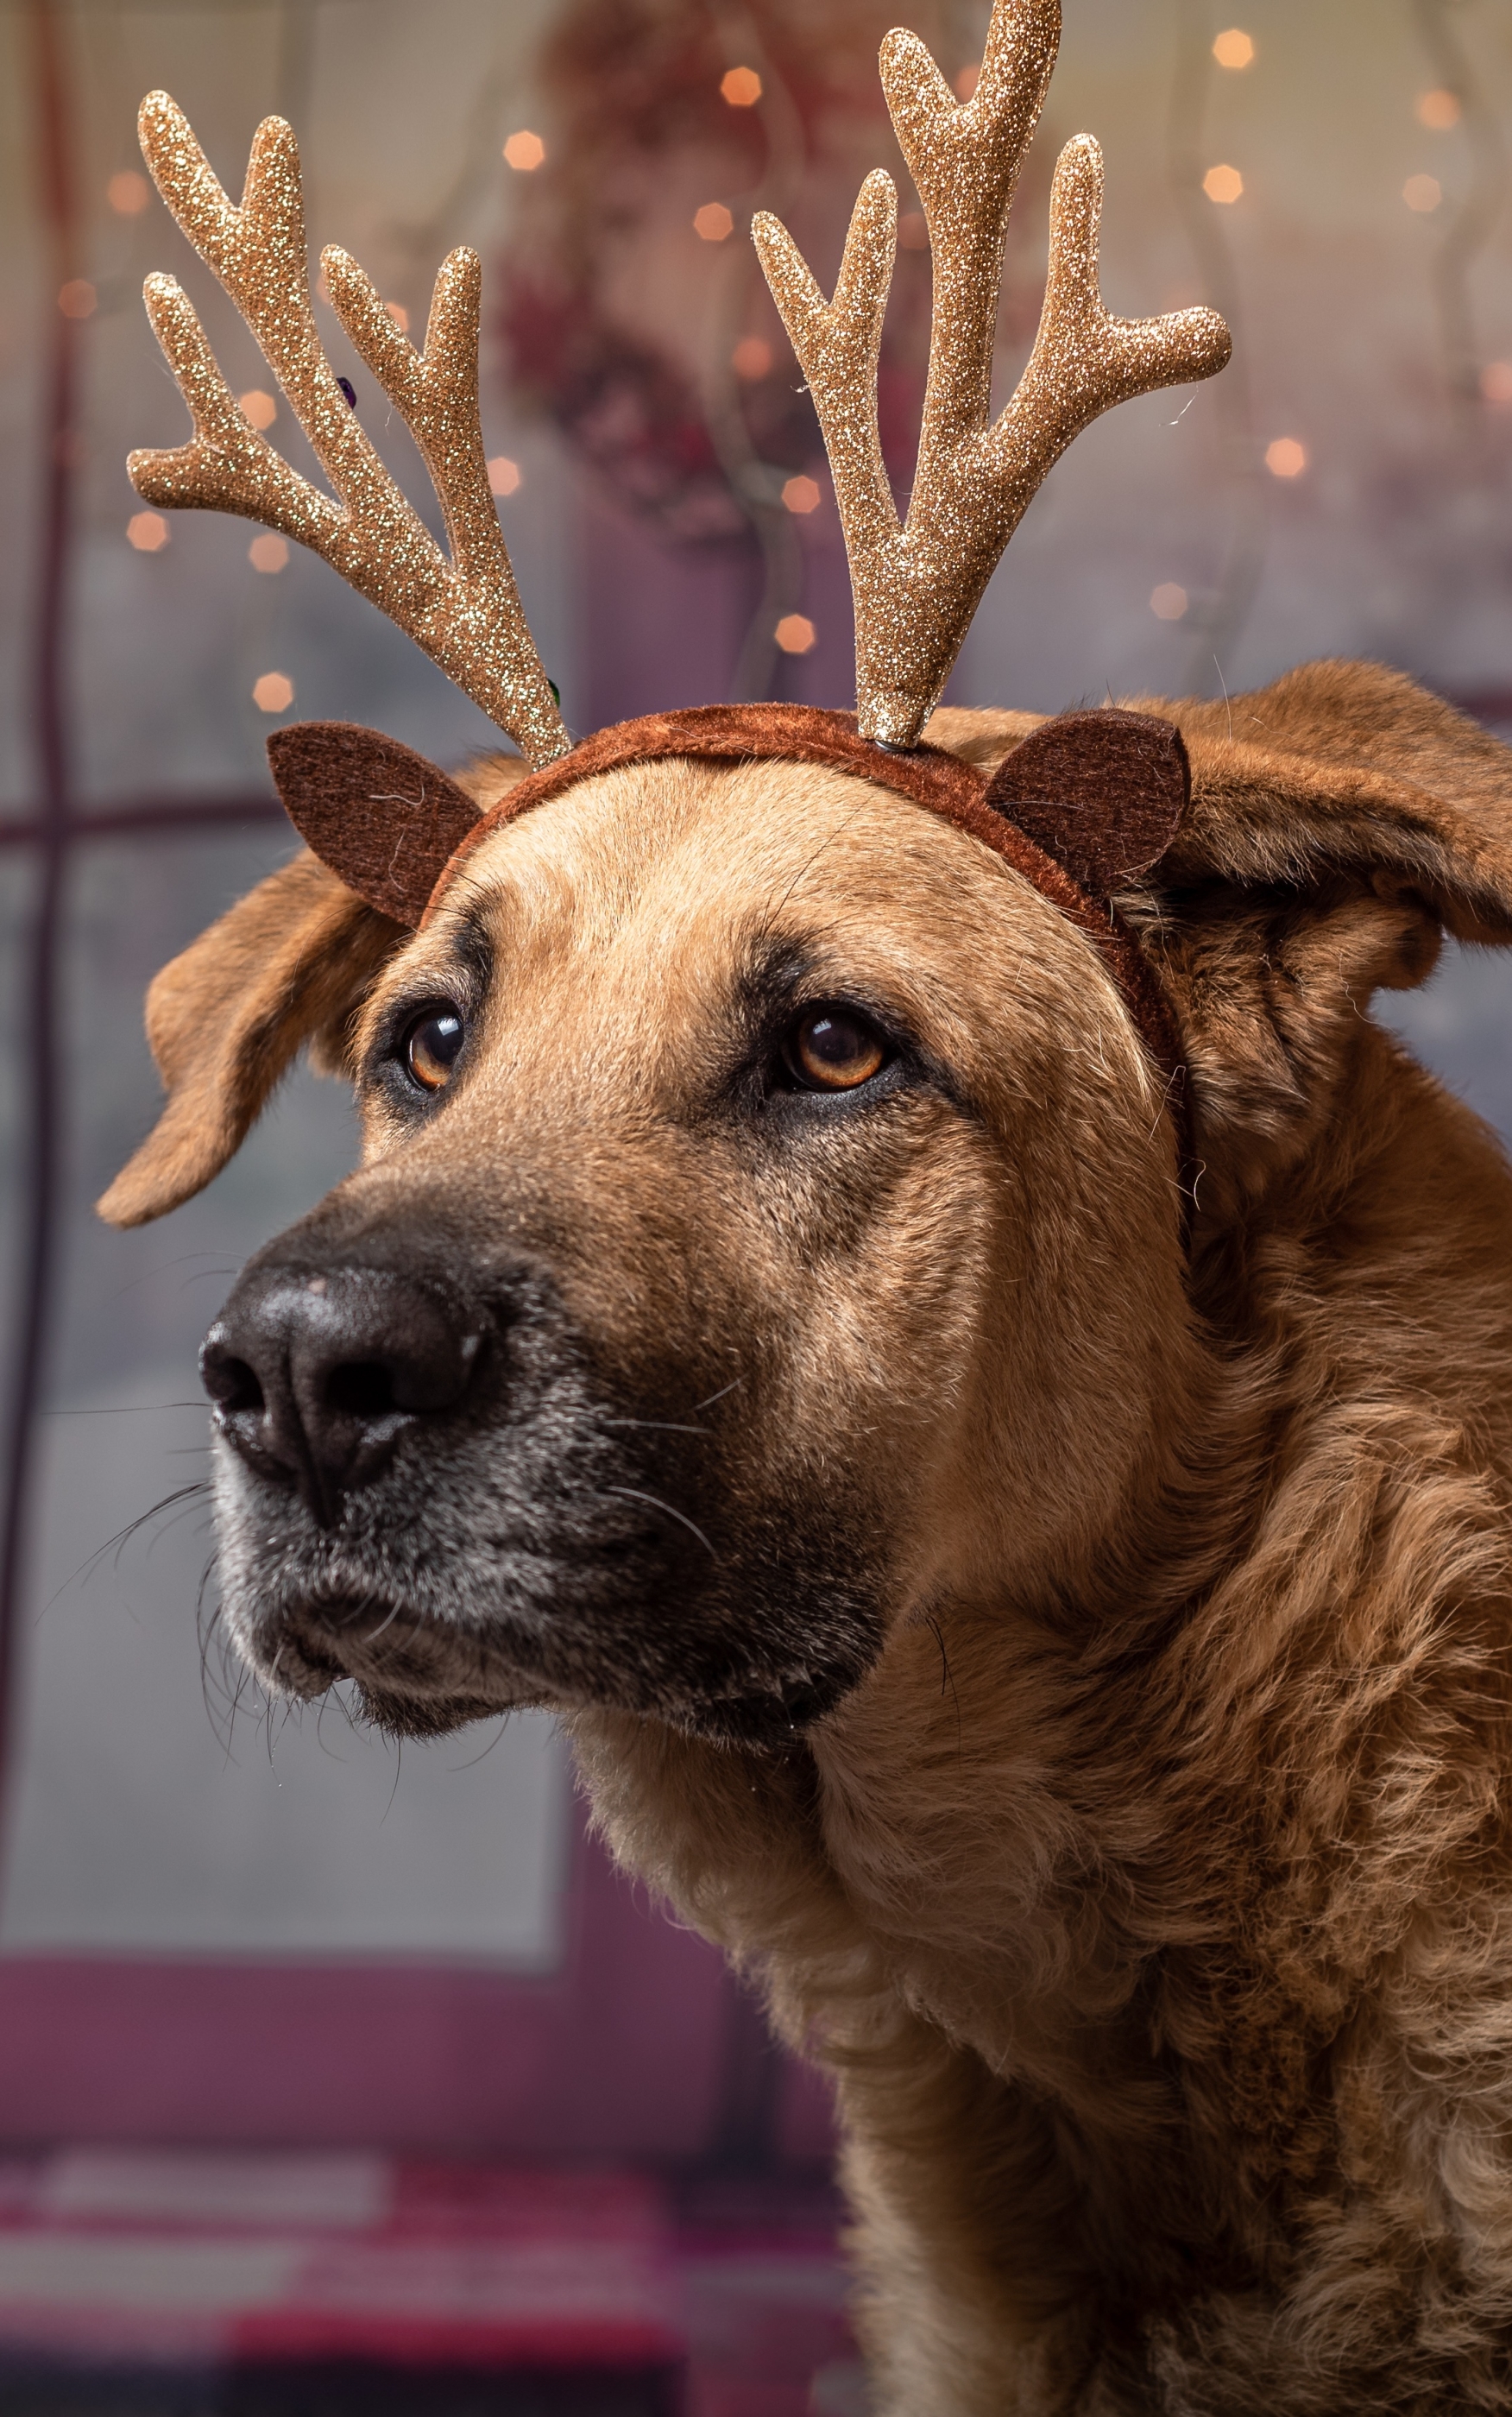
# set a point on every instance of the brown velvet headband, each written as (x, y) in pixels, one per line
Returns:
(1082, 805)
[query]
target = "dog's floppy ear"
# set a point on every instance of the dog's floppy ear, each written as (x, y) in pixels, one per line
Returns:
(288, 964)
(1349, 771)
(293, 962)
(1339, 822)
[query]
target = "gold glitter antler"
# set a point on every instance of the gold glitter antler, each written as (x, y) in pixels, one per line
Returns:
(465, 612)
(917, 585)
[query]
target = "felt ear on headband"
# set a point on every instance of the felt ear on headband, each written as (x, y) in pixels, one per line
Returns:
(1103, 793)
(382, 819)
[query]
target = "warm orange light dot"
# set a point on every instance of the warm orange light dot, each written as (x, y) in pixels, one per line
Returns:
(524, 151)
(967, 79)
(712, 222)
(1223, 183)
(400, 316)
(1285, 458)
(77, 299)
(129, 193)
(914, 231)
(269, 553)
(802, 495)
(258, 406)
(741, 87)
(1496, 382)
(1437, 109)
(1234, 49)
(504, 475)
(148, 531)
(1422, 194)
(751, 358)
(794, 633)
(273, 692)
(1168, 601)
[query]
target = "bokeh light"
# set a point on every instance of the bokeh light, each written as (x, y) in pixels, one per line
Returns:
(1168, 601)
(504, 475)
(524, 151)
(1234, 49)
(129, 193)
(273, 692)
(148, 532)
(1223, 183)
(1496, 382)
(712, 222)
(258, 406)
(268, 552)
(751, 358)
(1422, 194)
(1286, 458)
(77, 298)
(795, 633)
(1437, 109)
(802, 495)
(741, 87)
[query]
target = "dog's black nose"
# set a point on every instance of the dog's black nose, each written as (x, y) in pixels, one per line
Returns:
(316, 1372)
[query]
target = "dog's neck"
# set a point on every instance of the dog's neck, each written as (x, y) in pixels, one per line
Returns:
(1087, 1860)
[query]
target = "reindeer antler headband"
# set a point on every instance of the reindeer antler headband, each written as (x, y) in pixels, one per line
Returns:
(1086, 802)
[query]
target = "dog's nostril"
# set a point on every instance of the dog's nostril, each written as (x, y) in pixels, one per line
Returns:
(231, 1384)
(363, 1388)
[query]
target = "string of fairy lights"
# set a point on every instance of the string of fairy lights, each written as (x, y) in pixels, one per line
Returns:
(1209, 190)
(1452, 107)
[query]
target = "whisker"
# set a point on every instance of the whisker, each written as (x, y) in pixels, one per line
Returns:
(118, 1543)
(665, 1426)
(657, 1504)
(473, 1758)
(376, 1632)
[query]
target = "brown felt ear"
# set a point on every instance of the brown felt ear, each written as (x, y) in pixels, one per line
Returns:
(290, 963)
(383, 819)
(1103, 793)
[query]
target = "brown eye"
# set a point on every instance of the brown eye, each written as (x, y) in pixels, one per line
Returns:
(432, 1047)
(831, 1049)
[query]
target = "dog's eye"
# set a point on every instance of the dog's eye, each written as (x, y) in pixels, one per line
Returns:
(832, 1049)
(432, 1046)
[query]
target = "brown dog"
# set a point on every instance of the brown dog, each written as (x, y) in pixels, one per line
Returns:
(1071, 1668)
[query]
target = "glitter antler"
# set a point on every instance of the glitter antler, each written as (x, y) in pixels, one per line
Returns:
(917, 585)
(465, 613)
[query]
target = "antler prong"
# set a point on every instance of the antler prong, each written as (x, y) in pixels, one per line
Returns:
(436, 390)
(1085, 360)
(227, 465)
(917, 586)
(464, 612)
(838, 344)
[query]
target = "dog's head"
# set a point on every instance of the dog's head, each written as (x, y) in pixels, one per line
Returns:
(768, 1217)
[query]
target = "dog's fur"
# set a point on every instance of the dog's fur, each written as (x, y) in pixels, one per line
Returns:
(1075, 1677)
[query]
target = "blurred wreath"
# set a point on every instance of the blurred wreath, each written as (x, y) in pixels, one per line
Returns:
(657, 354)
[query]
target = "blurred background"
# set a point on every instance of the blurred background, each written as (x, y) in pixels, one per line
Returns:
(331, 2077)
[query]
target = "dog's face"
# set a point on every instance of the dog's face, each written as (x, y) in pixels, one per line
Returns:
(761, 1182)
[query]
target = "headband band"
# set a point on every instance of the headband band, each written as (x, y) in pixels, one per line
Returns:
(1080, 808)
(948, 786)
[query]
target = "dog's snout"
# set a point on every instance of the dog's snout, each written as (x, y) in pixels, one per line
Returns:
(316, 1372)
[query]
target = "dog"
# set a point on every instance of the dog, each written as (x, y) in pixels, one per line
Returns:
(1058, 1644)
